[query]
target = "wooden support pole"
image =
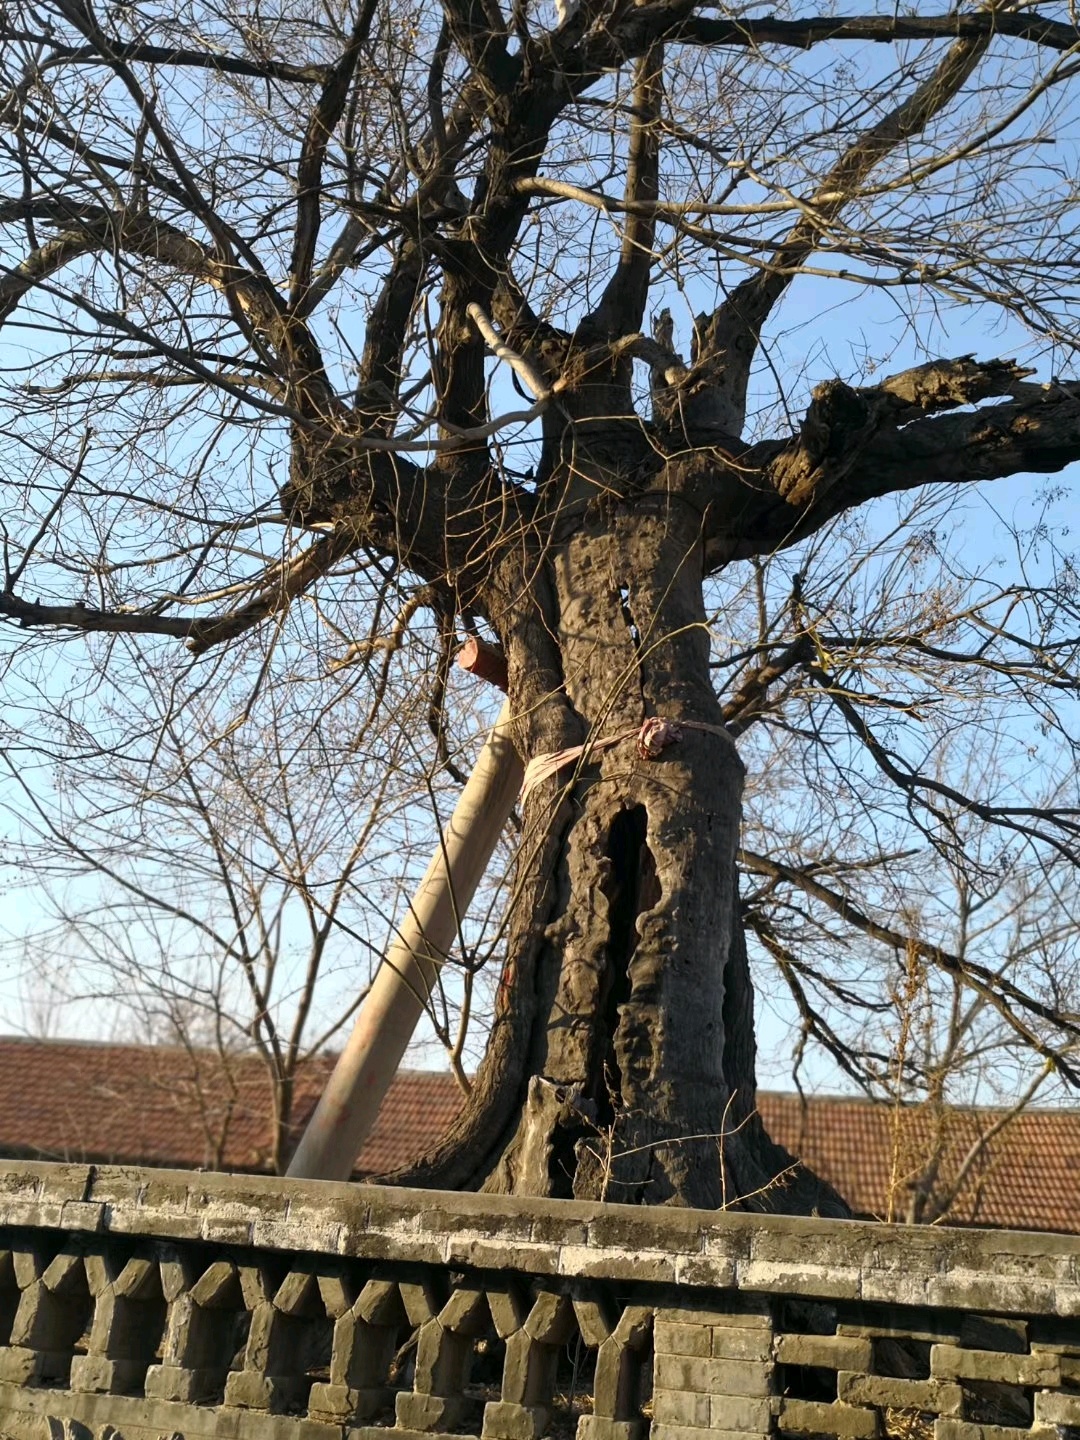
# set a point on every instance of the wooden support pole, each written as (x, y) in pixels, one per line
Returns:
(350, 1103)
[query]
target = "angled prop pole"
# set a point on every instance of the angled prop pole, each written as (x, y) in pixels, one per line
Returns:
(350, 1103)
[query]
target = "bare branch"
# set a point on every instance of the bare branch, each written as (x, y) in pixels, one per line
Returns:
(88, 228)
(841, 421)
(998, 991)
(275, 589)
(518, 363)
(133, 52)
(802, 34)
(324, 119)
(622, 305)
(727, 340)
(1038, 431)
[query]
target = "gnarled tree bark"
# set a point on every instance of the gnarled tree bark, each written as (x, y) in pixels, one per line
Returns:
(621, 1064)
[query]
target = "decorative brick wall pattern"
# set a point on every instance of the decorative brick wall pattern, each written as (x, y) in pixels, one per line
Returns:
(196, 1336)
(136, 1305)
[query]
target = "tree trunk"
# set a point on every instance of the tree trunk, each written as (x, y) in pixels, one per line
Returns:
(621, 1064)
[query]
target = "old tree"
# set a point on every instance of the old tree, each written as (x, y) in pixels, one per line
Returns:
(483, 308)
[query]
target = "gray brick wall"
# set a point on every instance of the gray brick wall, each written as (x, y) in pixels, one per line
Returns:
(141, 1305)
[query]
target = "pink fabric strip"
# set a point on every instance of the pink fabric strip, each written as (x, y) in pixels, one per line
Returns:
(653, 736)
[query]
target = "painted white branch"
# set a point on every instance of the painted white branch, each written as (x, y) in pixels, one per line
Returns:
(499, 348)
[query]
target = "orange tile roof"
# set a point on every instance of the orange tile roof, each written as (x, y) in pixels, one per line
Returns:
(1027, 1177)
(156, 1105)
(130, 1104)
